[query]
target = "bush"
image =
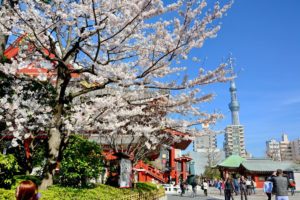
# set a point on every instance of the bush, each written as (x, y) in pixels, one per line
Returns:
(20, 178)
(82, 160)
(7, 194)
(146, 186)
(103, 192)
(8, 168)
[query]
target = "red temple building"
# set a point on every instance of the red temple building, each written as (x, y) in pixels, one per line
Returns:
(175, 168)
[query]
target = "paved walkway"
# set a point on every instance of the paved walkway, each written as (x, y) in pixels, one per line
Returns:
(213, 194)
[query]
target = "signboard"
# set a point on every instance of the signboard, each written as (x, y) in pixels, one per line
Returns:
(125, 173)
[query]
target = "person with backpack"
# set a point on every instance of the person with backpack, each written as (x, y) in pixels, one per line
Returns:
(268, 187)
(292, 186)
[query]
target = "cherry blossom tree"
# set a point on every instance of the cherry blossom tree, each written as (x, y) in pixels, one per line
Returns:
(113, 67)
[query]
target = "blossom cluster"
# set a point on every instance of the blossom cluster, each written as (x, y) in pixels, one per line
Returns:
(114, 66)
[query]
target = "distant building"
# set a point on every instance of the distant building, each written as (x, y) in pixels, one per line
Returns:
(234, 143)
(201, 159)
(203, 143)
(273, 150)
(285, 148)
(296, 149)
(205, 152)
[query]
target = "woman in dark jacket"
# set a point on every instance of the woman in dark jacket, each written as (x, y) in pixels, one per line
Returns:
(228, 188)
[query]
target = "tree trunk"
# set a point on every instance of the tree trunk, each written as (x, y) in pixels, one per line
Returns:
(54, 143)
(55, 136)
(3, 41)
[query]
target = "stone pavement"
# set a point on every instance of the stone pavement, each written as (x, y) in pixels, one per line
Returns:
(213, 194)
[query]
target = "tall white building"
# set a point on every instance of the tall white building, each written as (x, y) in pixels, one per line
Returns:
(205, 143)
(205, 152)
(273, 149)
(234, 143)
(285, 148)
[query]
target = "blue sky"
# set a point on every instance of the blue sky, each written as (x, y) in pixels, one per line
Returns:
(264, 38)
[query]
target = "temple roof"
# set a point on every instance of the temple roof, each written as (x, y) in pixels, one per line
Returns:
(266, 165)
(31, 70)
(263, 165)
(183, 158)
(183, 143)
(233, 161)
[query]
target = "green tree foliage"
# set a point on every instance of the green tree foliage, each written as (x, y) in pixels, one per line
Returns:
(8, 168)
(212, 173)
(82, 160)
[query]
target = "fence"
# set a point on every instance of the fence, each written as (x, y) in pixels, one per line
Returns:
(155, 195)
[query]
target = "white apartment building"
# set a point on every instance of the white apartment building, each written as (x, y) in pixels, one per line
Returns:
(285, 148)
(273, 150)
(234, 141)
(205, 143)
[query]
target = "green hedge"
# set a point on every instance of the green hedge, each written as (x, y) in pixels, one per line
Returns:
(146, 187)
(103, 192)
(7, 194)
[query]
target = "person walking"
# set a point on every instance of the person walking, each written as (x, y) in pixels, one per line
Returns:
(243, 188)
(194, 189)
(280, 186)
(253, 186)
(248, 185)
(219, 186)
(268, 187)
(228, 188)
(182, 188)
(292, 186)
(205, 187)
(236, 185)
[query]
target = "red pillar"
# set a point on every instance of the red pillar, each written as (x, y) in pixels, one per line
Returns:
(172, 162)
(176, 178)
(27, 143)
(141, 176)
(183, 170)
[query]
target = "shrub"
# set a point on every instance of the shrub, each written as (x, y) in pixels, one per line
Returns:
(8, 168)
(82, 160)
(19, 178)
(146, 186)
(103, 192)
